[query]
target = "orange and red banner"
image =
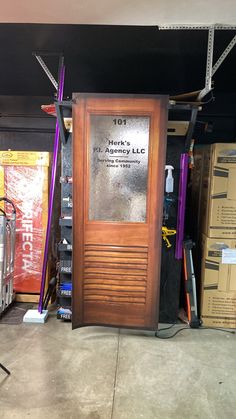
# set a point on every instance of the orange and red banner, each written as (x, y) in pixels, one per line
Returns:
(27, 187)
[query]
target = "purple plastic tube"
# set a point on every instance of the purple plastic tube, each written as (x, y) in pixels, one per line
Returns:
(51, 193)
(181, 205)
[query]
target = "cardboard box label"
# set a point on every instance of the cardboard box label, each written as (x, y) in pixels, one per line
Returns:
(215, 253)
(222, 306)
(218, 298)
(229, 256)
(219, 309)
(226, 160)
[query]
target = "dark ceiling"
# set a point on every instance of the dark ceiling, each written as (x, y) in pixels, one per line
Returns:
(111, 59)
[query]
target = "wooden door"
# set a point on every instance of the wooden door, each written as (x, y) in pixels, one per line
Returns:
(119, 145)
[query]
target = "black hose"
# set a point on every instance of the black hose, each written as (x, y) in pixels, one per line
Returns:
(9, 202)
(1, 210)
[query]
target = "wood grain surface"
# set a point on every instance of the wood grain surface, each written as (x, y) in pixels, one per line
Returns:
(116, 265)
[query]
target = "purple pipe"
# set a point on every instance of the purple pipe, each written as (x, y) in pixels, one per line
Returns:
(51, 194)
(181, 205)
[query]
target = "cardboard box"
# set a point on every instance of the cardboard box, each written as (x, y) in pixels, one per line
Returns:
(218, 298)
(24, 180)
(218, 191)
(196, 195)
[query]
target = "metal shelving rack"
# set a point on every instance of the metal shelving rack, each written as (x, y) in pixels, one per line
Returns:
(64, 290)
(7, 254)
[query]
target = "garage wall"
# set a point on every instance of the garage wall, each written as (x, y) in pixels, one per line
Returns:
(23, 125)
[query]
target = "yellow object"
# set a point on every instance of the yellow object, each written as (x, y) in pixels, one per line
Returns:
(24, 158)
(165, 233)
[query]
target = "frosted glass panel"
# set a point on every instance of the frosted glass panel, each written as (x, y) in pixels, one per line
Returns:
(118, 167)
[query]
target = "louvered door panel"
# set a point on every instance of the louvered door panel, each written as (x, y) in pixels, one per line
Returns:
(115, 274)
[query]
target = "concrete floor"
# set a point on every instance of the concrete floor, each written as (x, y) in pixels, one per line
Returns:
(98, 372)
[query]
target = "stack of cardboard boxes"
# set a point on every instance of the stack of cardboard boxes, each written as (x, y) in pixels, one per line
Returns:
(214, 192)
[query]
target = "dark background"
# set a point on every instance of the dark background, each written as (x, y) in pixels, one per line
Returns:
(112, 59)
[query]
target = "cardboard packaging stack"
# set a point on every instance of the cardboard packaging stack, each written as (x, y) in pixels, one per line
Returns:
(214, 191)
(24, 179)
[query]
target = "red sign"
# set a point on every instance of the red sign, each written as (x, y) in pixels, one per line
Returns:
(25, 186)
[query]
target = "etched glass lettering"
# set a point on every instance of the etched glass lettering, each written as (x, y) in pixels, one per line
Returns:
(118, 168)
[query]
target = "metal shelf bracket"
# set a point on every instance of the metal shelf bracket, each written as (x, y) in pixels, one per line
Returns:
(38, 55)
(210, 68)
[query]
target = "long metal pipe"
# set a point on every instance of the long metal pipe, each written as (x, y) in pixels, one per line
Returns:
(52, 189)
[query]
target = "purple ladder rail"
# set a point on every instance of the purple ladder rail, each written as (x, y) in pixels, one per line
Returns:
(181, 205)
(51, 193)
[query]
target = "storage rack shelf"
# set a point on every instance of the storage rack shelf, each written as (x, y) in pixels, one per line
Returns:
(65, 246)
